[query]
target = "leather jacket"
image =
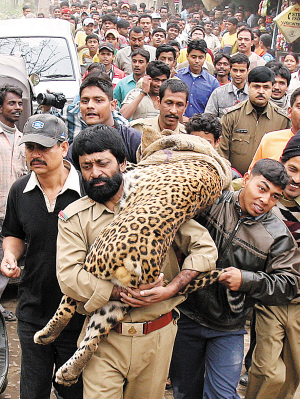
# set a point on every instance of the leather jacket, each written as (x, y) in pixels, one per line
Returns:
(265, 252)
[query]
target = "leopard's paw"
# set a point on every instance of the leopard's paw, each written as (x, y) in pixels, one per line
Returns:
(65, 378)
(43, 337)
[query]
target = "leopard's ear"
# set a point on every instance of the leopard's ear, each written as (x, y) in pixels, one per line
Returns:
(149, 136)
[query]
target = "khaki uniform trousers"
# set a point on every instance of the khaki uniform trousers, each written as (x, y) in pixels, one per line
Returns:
(130, 367)
(275, 370)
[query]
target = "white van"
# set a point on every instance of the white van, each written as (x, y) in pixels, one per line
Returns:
(48, 49)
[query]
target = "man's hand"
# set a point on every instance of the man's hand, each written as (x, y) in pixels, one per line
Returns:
(231, 278)
(9, 266)
(146, 294)
(146, 83)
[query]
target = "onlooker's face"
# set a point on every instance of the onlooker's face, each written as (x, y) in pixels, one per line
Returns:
(158, 38)
(181, 23)
(197, 34)
(222, 67)
(290, 62)
(124, 31)
(155, 23)
(279, 88)
(96, 107)
(218, 14)
(156, 83)
(294, 115)
(231, 28)
(292, 167)
(208, 28)
(106, 57)
(88, 29)
(92, 44)
(136, 40)
(216, 31)
(108, 25)
(44, 160)
(145, 23)
(239, 16)
(260, 93)
(66, 16)
(208, 137)
(27, 11)
(164, 14)
(172, 107)
(172, 33)
(244, 42)
(11, 109)
(112, 39)
(256, 40)
(258, 196)
(168, 58)
(239, 73)
(57, 13)
(139, 65)
(196, 60)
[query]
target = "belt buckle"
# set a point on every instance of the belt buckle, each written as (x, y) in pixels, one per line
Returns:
(133, 329)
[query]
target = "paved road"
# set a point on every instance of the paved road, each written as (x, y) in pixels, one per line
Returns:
(12, 390)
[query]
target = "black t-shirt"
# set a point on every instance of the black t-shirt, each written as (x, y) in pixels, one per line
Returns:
(27, 218)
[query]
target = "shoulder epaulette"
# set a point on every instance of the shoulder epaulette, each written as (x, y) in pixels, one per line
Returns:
(233, 108)
(75, 207)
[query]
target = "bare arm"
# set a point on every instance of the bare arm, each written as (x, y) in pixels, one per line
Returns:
(129, 108)
(13, 249)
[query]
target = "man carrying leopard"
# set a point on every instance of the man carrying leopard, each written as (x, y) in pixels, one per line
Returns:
(133, 361)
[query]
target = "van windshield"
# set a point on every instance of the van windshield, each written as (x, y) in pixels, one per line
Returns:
(48, 57)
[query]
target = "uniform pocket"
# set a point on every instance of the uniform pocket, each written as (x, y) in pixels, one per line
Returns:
(240, 143)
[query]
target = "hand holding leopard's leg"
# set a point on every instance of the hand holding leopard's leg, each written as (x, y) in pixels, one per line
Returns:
(63, 315)
(100, 324)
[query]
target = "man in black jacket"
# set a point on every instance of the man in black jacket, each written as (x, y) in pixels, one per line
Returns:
(260, 262)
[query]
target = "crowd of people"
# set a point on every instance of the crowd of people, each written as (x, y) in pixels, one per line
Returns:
(209, 74)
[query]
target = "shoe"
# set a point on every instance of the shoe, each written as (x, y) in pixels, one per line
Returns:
(244, 379)
(9, 316)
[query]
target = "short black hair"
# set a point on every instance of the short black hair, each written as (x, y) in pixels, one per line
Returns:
(174, 43)
(92, 36)
(141, 51)
(158, 68)
(239, 58)
(282, 71)
(144, 16)
(98, 138)
(26, 7)
(103, 84)
(161, 30)
(197, 44)
(246, 30)
(271, 170)
(122, 23)
(175, 86)
(173, 25)
(204, 122)
(261, 74)
(109, 17)
(233, 21)
(165, 48)
(219, 55)
(7, 88)
(294, 95)
(295, 55)
(136, 29)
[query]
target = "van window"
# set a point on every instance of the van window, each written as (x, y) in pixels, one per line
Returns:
(48, 57)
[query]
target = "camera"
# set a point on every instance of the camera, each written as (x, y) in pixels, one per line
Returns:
(52, 99)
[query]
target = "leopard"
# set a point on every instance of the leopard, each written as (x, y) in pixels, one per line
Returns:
(169, 187)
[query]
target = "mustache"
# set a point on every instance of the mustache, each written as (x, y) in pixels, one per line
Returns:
(98, 180)
(38, 160)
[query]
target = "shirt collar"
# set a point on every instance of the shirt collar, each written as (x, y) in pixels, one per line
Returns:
(71, 183)
(249, 109)
(234, 89)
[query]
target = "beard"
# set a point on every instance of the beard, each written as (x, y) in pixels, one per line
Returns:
(103, 193)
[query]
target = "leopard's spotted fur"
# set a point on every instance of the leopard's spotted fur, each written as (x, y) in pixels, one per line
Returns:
(131, 250)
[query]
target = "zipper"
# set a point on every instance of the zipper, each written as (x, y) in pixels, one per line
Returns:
(228, 242)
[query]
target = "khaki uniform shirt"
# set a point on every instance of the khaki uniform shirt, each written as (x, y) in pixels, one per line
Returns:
(82, 221)
(153, 122)
(242, 132)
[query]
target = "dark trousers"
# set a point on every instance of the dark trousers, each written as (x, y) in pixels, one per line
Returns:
(39, 364)
(206, 363)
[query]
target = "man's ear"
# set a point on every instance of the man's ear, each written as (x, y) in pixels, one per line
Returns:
(123, 166)
(65, 147)
(246, 178)
(113, 105)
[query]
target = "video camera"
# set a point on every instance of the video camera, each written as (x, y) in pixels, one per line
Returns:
(52, 99)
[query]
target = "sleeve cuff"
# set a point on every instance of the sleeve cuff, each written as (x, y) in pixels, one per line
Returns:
(100, 296)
